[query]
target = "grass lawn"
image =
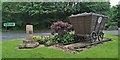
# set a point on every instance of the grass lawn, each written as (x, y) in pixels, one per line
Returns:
(0, 50)
(0, 29)
(107, 50)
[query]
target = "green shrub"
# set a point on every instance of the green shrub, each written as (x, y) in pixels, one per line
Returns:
(49, 42)
(63, 39)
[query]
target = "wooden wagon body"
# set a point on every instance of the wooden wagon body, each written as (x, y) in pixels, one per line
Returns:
(86, 24)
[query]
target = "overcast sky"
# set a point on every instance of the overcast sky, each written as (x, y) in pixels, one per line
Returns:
(114, 2)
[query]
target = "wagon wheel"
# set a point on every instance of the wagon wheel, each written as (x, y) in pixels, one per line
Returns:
(93, 36)
(100, 36)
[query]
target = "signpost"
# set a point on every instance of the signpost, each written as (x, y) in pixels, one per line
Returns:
(8, 24)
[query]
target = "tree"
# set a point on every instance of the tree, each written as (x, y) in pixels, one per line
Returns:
(114, 16)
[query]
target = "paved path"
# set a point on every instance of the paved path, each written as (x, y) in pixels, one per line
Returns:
(6, 36)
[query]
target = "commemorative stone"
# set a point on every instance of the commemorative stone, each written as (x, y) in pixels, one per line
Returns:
(29, 32)
(29, 42)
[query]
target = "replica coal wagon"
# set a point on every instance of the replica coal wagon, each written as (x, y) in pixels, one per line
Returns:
(89, 25)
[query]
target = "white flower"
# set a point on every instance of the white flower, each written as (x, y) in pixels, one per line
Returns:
(56, 34)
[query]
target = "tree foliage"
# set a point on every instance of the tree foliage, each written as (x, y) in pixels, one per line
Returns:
(118, 14)
(114, 16)
(34, 12)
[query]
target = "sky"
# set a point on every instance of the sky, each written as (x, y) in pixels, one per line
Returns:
(114, 2)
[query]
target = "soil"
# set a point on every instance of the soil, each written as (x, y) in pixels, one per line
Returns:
(77, 47)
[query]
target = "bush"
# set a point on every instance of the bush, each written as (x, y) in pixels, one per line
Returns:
(61, 27)
(62, 32)
(49, 42)
(63, 39)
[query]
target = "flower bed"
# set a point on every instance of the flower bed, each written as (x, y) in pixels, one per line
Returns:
(56, 39)
(62, 33)
(46, 40)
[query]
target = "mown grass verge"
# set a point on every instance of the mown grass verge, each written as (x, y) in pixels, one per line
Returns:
(106, 50)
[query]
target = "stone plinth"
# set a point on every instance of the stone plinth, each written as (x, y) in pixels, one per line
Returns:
(28, 44)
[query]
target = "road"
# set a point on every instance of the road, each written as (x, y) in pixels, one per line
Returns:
(6, 36)
(115, 32)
